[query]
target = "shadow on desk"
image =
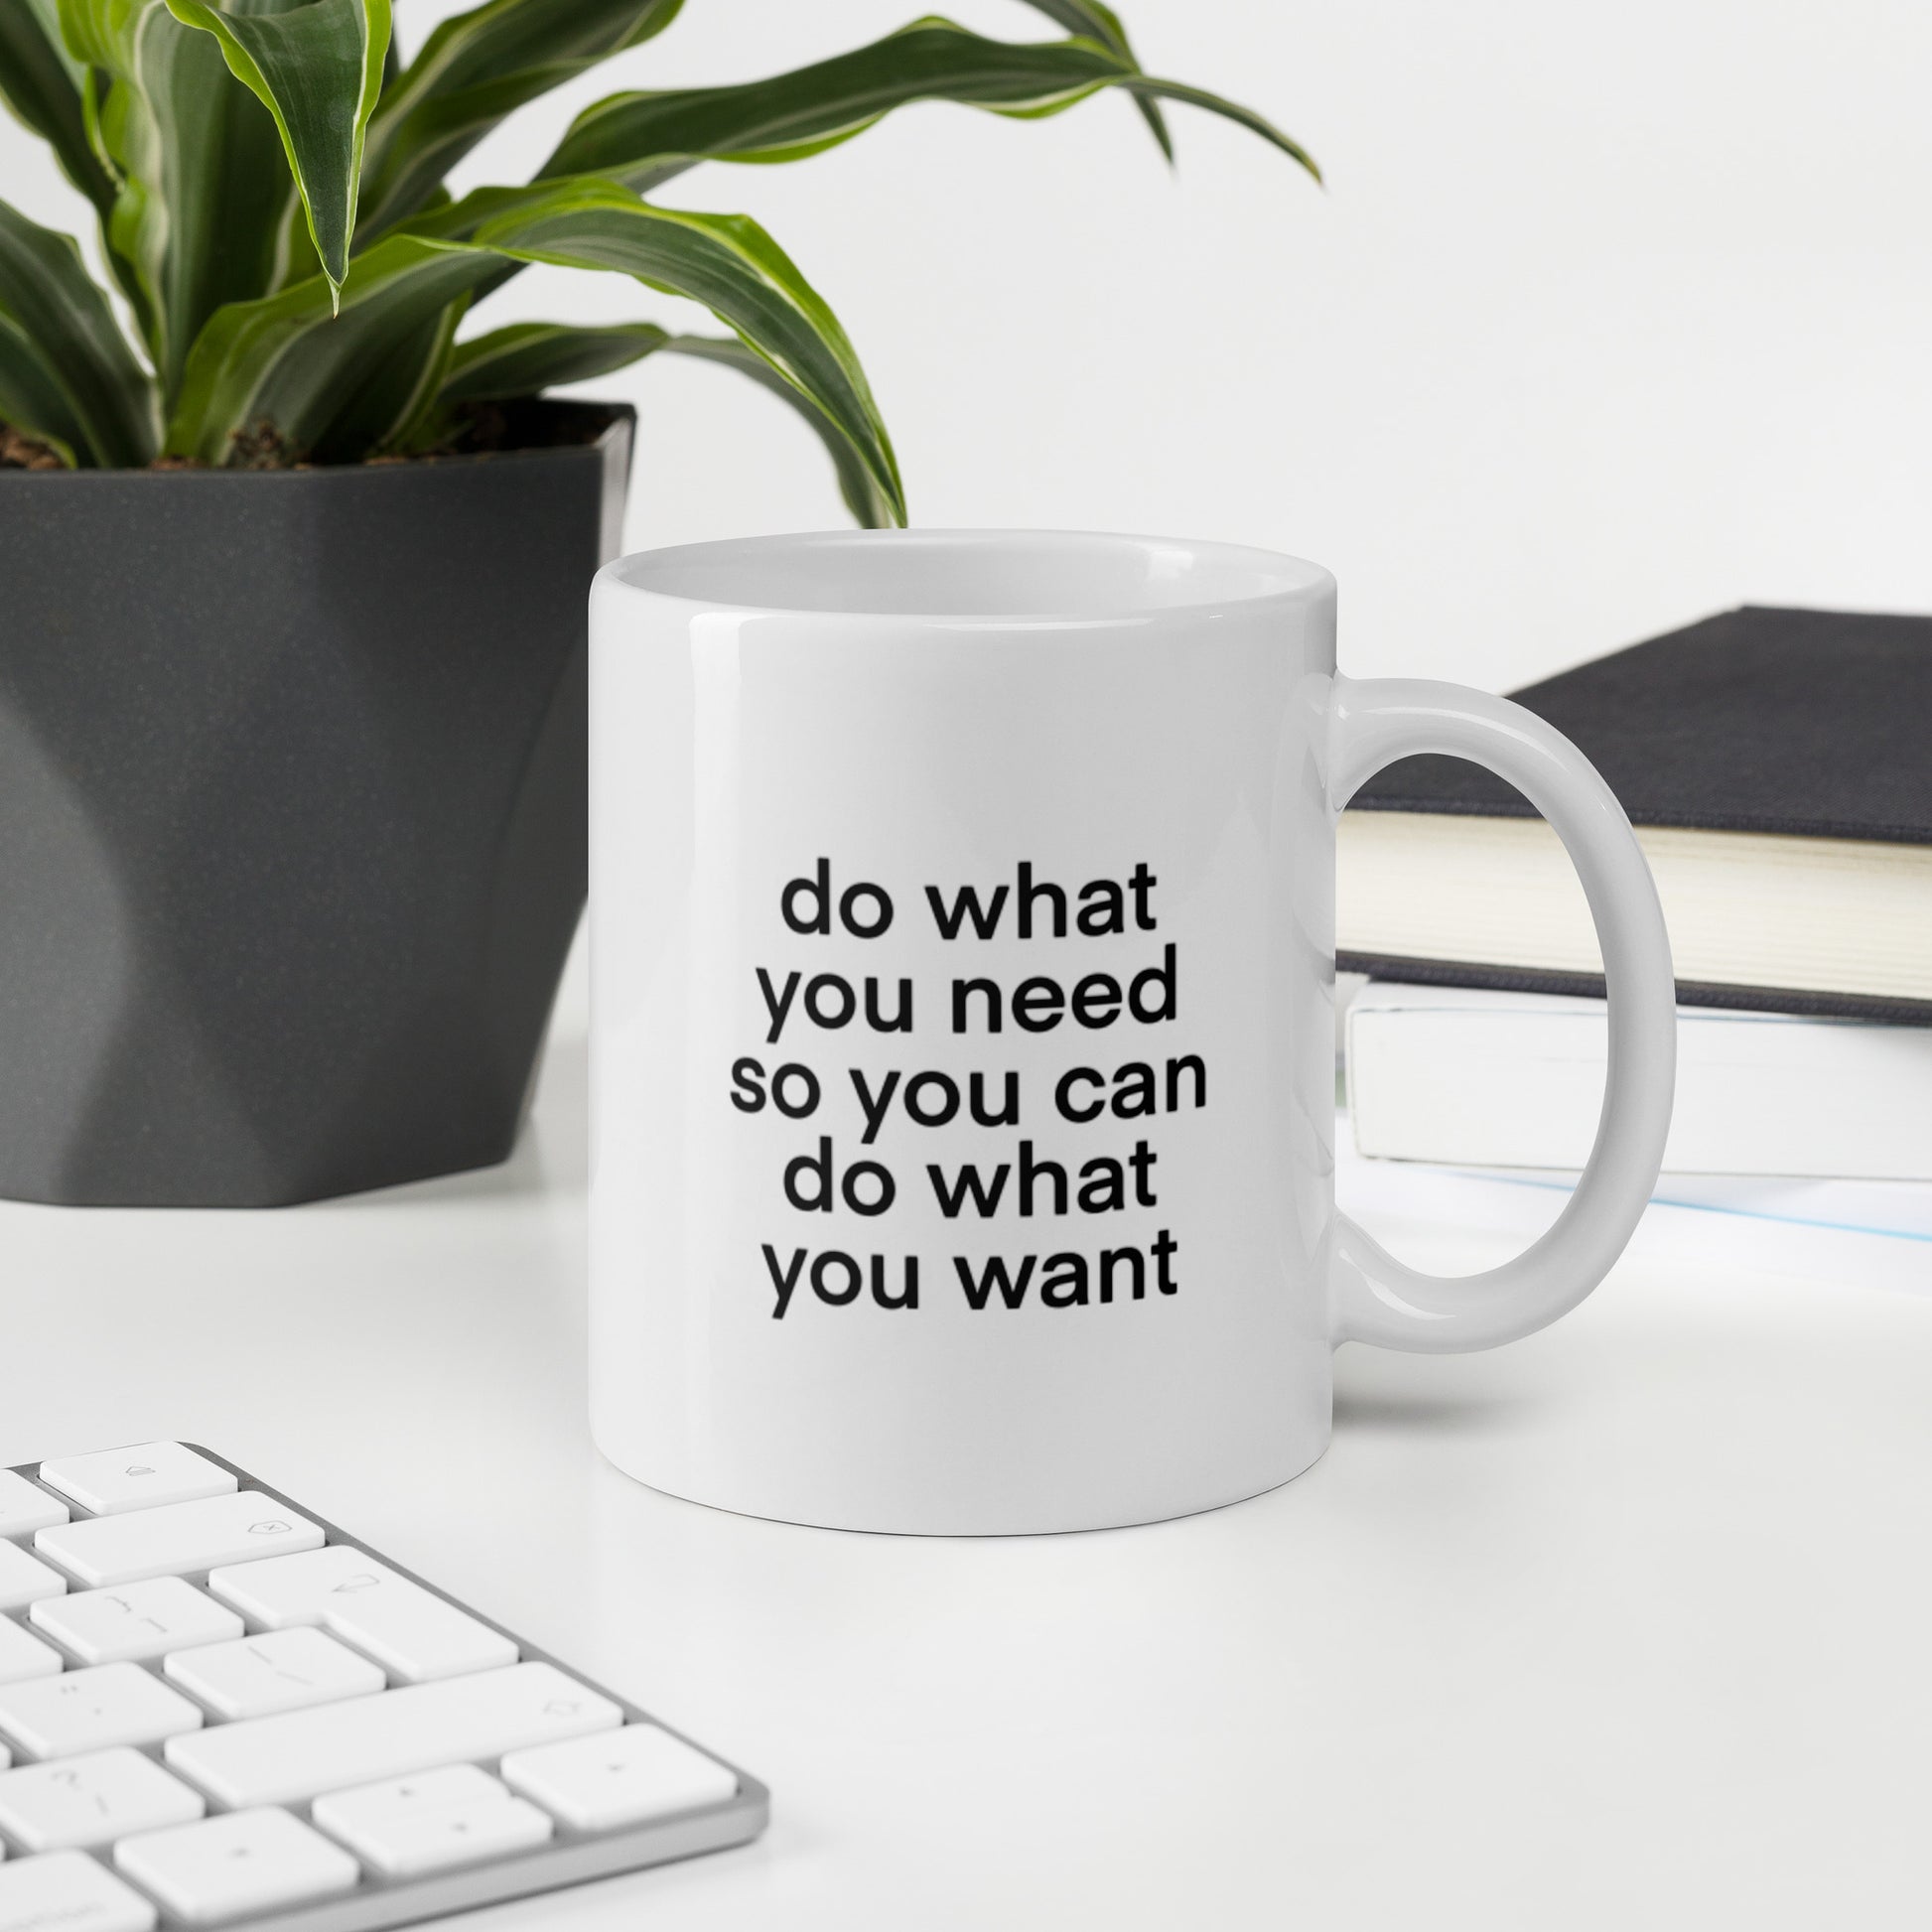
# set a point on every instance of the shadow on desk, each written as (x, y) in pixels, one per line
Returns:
(1493, 1392)
(1383, 1412)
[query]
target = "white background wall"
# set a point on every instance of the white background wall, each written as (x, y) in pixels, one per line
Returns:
(1606, 319)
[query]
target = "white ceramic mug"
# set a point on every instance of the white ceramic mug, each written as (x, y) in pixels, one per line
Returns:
(962, 1039)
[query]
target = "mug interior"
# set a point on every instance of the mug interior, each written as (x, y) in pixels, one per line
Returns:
(984, 575)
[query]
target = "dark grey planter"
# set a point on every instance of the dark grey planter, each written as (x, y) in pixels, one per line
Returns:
(292, 814)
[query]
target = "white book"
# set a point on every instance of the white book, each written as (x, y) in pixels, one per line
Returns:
(1480, 1078)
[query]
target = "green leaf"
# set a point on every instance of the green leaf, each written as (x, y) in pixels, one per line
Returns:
(863, 497)
(405, 394)
(283, 362)
(32, 399)
(725, 261)
(1091, 21)
(40, 84)
(203, 215)
(56, 309)
(317, 68)
(473, 71)
(643, 139)
(1147, 87)
(529, 356)
(293, 367)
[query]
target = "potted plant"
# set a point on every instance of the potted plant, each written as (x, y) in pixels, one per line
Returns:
(292, 660)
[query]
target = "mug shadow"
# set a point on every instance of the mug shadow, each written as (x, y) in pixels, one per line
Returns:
(1398, 1412)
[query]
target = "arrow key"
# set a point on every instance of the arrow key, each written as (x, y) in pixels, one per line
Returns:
(404, 1826)
(244, 1862)
(618, 1778)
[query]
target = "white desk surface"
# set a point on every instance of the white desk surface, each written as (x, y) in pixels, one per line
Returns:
(1629, 1624)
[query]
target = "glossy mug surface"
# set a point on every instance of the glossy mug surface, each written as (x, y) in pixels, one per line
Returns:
(962, 1042)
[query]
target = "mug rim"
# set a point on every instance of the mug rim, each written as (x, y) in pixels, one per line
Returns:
(1150, 578)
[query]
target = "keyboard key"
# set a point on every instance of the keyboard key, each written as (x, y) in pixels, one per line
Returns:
(282, 1760)
(91, 1709)
(25, 1579)
(456, 1787)
(622, 1777)
(411, 1631)
(24, 1508)
(138, 1621)
(407, 1827)
(283, 1670)
(247, 1862)
(112, 1481)
(177, 1538)
(76, 1802)
(23, 1655)
(66, 1892)
(442, 1841)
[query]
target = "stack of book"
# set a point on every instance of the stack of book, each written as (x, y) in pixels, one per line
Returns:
(1777, 766)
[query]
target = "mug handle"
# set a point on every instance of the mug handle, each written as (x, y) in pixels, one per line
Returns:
(1374, 1296)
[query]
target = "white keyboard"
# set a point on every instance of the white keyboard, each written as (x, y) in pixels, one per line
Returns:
(215, 1708)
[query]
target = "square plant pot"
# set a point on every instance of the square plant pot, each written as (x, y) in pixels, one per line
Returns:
(292, 813)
